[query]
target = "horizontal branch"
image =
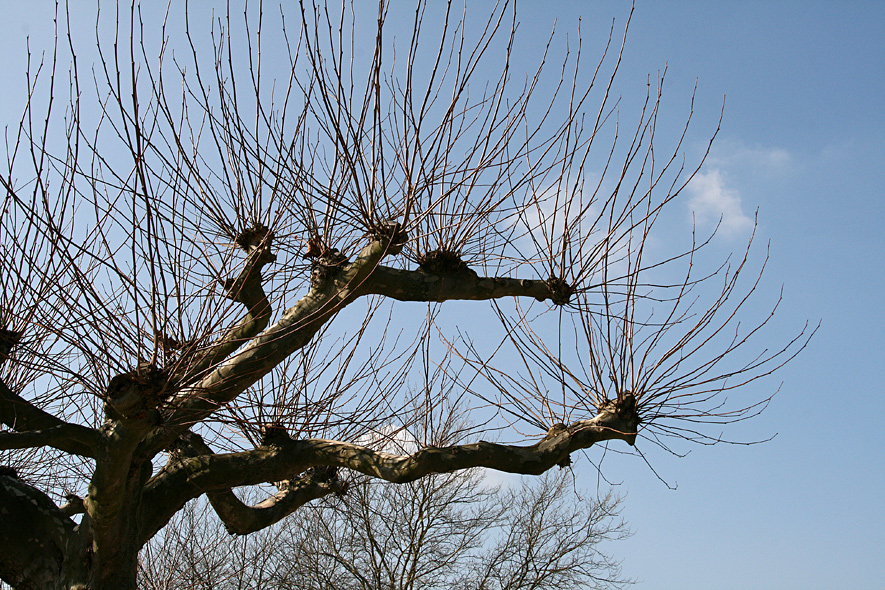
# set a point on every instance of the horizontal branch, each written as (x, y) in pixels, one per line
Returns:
(70, 438)
(36, 428)
(209, 473)
(554, 449)
(418, 285)
(238, 518)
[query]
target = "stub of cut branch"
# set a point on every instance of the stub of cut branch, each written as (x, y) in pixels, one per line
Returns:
(8, 340)
(246, 286)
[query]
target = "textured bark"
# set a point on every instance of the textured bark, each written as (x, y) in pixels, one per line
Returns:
(240, 519)
(38, 544)
(418, 285)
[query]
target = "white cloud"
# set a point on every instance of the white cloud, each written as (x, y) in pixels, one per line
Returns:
(761, 160)
(711, 201)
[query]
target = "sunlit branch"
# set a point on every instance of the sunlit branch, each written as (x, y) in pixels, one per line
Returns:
(284, 458)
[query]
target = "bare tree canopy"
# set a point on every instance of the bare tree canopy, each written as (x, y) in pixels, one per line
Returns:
(211, 265)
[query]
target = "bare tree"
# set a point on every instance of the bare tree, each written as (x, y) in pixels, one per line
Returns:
(179, 237)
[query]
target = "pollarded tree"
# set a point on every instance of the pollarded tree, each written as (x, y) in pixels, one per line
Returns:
(178, 243)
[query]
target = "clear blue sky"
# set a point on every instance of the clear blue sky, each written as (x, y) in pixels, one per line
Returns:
(802, 142)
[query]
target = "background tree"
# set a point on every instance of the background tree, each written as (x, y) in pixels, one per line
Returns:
(453, 530)
(179, 239)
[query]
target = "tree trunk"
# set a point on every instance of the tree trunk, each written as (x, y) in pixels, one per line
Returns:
(42, 548)
(38, 543)
(116, 571)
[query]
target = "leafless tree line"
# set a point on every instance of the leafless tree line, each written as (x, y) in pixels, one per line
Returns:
(443, 531)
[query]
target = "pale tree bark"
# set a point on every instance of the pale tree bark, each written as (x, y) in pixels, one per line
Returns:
(179, 253)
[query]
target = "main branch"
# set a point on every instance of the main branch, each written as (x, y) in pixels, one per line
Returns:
(419, 285)
(284, 459)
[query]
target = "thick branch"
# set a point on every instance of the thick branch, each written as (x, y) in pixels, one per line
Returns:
(291, 332)
(238, 518)
(35, 427)
(554, 449)
(417, 285)
(247, 289)
(70, 438)
(34, 537)
(116, 480)
(209, 473)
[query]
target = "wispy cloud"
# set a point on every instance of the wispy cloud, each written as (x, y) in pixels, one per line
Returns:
(762, 160)
(732, 168)
(712, 200)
